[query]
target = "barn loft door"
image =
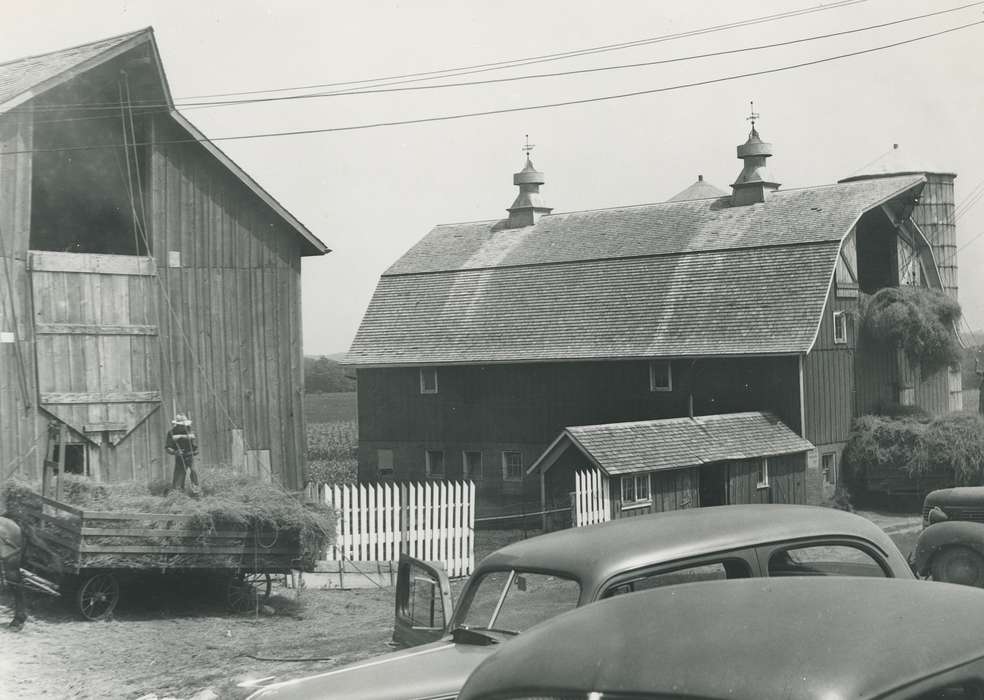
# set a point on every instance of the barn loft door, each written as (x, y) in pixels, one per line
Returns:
(98, 348)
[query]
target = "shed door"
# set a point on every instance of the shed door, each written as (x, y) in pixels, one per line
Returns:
(97, 343)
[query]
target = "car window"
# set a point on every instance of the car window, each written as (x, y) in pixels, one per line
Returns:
(824, 560)
(961, 691)
(725, 569)
(526, 599)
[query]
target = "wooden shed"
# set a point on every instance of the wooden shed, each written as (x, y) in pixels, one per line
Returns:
(143, 274)
(661, 465)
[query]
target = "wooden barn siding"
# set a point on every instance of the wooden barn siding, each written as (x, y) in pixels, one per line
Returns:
(673, 489)
(21, 424)
(787, 480)
(533, 403)
(828, 376)
(236, 295)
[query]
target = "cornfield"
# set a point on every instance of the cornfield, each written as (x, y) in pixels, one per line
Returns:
(332, 452)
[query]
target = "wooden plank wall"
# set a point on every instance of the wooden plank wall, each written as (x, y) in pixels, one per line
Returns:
(828, 376)
(231, 329)
(673, 489)
(22, 427)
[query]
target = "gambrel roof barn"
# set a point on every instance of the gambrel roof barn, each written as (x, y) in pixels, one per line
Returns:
(145, 274)
(487, 340)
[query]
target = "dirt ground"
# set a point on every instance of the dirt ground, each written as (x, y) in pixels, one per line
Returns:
(177, 642)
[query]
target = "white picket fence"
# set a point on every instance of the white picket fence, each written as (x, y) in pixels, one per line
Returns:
(432, 521)
(592, 498)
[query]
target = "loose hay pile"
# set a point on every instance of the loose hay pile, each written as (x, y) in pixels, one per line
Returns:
(265, 514)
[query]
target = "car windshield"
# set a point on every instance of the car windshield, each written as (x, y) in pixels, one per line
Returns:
(510, 601)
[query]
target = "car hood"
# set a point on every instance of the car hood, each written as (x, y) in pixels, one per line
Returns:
(436, 670)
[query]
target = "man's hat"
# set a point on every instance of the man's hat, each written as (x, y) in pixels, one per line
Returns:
(181, 419)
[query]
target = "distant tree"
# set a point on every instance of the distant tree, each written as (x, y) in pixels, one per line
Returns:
(323, 375)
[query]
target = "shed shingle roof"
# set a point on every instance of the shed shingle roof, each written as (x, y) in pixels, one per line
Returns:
(676, 443)
(668, 280)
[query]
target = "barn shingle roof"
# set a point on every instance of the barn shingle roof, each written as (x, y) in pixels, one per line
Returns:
(695, 278)
(676, 443)
(21, 75)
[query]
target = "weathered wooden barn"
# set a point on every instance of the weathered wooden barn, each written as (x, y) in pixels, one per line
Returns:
(487, 339)
(675, 463)
(143, 274)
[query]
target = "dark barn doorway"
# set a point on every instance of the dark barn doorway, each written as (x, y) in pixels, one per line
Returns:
(713, 485)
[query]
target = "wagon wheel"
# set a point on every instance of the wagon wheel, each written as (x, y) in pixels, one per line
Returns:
(97, 596)
(959, 565)
(245, 590)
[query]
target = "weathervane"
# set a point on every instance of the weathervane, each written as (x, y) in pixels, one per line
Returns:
(528, 148)
(753, 115)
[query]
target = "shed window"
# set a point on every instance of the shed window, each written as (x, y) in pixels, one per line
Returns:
(435, 464)
(428, 380)
(635, 491)
(828, 467)
(512, 466)
(660, 376)
(384, 462)
(840, 327)
(763, 477)
(471, 464)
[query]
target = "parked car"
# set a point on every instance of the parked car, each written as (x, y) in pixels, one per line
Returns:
(533, 580)
(802, 638)
(951, 545)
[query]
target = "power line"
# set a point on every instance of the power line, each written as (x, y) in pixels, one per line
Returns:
(382, 89)
(526, 108)
(642, 64)
(499, 65)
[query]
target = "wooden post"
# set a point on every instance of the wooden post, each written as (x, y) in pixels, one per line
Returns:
(61, 461)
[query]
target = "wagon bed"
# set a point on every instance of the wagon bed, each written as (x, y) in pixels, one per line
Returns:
(94, 548)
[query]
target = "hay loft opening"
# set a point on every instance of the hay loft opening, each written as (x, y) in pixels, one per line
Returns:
(88, 189)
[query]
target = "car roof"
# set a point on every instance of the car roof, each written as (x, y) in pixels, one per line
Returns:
(595, 553)
(752, 638)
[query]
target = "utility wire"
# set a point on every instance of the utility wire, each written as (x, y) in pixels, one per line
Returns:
(525, 108)
(498, 65)
(381, 88)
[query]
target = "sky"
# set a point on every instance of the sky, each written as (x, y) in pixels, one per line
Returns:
(370, 194)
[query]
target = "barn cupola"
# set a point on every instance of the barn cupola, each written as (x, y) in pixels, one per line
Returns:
(754, 183)
(528, 207)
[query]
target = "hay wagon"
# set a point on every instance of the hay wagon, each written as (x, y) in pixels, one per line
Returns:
(98, 549)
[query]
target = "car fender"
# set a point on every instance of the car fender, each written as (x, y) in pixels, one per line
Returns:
(945, 534)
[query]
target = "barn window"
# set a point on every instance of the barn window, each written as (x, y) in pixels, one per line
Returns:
(635, 491)
(763, 475)
(840, 327)
(384, 462)
(660, 376)
(471, 464)
(512, 466)
(828, 467)
(428, 380)
(435, 464)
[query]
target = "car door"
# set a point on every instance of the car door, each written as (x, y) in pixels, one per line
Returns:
(423, 603)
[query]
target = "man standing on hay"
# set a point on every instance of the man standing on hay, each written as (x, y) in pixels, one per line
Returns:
(181, 443)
